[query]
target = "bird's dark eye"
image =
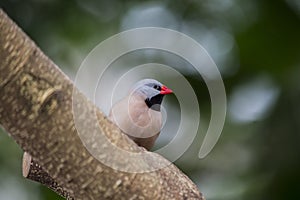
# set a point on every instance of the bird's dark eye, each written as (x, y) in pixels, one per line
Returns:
(157, 87)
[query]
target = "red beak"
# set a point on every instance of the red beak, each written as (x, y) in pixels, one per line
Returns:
(165, 90)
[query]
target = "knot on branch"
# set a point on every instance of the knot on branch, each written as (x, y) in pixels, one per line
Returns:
(41, 96)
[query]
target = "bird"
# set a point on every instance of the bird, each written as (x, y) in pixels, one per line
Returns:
(138, 114)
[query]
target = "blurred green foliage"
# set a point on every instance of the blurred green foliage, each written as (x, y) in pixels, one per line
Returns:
(255, 44)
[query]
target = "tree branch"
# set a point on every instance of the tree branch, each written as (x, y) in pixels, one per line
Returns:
(36, 110)
(33, 171)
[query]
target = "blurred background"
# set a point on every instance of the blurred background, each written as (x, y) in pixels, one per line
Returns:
(256, 46)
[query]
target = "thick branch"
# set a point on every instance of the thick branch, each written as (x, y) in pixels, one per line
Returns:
(36, 110)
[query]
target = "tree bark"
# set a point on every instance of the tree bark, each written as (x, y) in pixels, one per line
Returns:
(33, 171)
(36, 110)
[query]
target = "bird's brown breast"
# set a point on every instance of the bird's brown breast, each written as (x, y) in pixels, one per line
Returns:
(134, 118)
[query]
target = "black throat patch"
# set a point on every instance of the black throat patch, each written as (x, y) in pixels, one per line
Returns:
(154, 102)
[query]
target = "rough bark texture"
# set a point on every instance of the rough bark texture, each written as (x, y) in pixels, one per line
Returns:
(36, 110)
(33, 171)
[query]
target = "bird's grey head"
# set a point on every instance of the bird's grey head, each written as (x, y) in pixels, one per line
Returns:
(153, 92)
